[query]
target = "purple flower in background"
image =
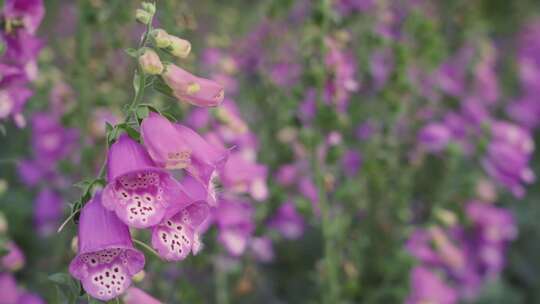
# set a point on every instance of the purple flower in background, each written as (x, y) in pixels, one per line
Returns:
(234, 219)
(308, 189)
(14, 259)
(287, 221)
(50, 140)
(8, 286)
(351, 162)
(30, 298)
(287, 175)
(344, 81)
(508, 155)
(346, 7)
(285, 74)
(486, 86)
(381, 67)
(242, 175)
(365, 130)
(176, 236)
(308, 108)
(135, 295)
(434, 137)
(262, 249)
(106, 259)
(427, 287)
(451, 75)
(48, 208)
(137, 190)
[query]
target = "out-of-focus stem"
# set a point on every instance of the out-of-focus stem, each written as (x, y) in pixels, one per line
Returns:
(220, 276)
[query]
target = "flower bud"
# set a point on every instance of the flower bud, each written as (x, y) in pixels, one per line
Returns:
(161, 38)
(179, 47)
(149, 7)
(150, 62)
(143, 16)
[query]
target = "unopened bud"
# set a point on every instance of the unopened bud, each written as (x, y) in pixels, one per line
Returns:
(161, 38)
(150, 62)
(139, 276)
(149, 7)
(143, 16)
(179, 47)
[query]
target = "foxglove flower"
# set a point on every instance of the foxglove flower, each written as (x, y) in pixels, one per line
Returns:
(195, 90)
(8, 286)
(30, 298)
(235, 222)
(434, 137)
(135, 295)
(106, 258)
(14, 259)
(176, 236)
(137, 190)
(427, 287)
(30, 12)
(508, 155)
(262, 249)
(242, 175)
(175, 147)
(47, 211)
(287, 221)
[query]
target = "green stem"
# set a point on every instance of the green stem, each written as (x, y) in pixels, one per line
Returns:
(146, 247)
(220, 276)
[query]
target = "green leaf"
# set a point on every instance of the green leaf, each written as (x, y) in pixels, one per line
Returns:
(160, 86)
(142, 112)
(169, 116)
(67, 286)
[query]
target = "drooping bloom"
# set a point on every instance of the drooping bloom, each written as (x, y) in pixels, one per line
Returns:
(47, 211)
(195, 90)
(176, 236)
(106, 258)
(50, 140)
(135, 295)
(137, 190)
(242, 175)
(262, 249)
(14, 259)
(427, 287)
(344, 82)
(174, 146)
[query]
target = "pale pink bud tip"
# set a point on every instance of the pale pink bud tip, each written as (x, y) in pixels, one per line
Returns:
(197, 91)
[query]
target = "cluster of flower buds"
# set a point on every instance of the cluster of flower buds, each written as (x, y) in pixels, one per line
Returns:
(19, 48)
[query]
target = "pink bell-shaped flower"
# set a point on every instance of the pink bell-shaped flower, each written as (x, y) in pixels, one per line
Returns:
(106, 258)
(138, 191)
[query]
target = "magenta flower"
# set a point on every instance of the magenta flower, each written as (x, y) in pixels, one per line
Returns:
(47, 211)
(30, 12)
(14, 259)
(243, 175)
(287, 221)
(135, 295)
(50, 140)
(235, 222)
(508, 155)
(262, 249)
(106, 258)
(434, 137)
(30, 298)
(137, 190)
(195, 90)
(351, 162)
(427, 287)
(8, 286)
(175, 147)
(177, 235)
